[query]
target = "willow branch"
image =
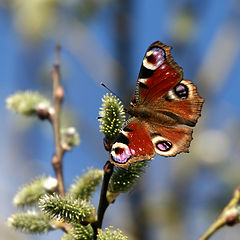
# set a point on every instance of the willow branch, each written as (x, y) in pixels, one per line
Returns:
(103, 202)
(58, 95)
(228, 217)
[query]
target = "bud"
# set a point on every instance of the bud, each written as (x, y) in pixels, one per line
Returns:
(26, 103)
(42, 110)
(232, 216)
(69, 138)
(59, 93)
(50, 184)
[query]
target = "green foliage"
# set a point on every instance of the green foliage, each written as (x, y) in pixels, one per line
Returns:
(29, 194)
(122, 180)
(69, 138)
(66, 209)
(80, 232)
(111, 115)
(30, 222)
(110, 234)
(84, 187)
(26, 103)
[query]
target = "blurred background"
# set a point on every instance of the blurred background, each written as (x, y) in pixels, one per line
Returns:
(105, 40)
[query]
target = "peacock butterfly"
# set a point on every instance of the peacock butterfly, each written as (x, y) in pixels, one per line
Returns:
(162, 110)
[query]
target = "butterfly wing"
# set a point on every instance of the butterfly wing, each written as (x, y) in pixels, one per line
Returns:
(159, 73)
(182, 103)
(161, 89)
(164, 107)
(169, 141)
(133, 144)
(140, 140)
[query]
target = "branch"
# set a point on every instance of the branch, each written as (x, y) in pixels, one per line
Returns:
(103, 202)
(58, 95)
(229, 216)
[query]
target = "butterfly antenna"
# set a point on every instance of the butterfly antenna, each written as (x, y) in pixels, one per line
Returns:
(112, 92)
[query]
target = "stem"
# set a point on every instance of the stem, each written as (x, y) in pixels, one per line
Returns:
(213, 228)
(103, 202)
(58, 95)
(229, 216)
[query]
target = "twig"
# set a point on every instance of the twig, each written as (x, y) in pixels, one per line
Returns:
(58, 95)
(103, 202)
(229, 216)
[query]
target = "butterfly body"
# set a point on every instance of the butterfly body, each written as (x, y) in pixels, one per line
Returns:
(163, 109)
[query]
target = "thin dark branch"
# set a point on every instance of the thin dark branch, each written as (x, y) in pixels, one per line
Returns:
(103, 202)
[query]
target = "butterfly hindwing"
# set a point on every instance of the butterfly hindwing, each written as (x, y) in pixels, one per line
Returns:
(133, 144)
(139, 141)
(169, 141)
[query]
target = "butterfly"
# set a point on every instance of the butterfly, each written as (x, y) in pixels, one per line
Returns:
(163, 109)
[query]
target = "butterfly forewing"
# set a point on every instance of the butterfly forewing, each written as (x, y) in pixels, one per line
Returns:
(159, 73)
(183, 102)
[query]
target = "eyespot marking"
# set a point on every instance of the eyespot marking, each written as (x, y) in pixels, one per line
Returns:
(164, 146)
(181, 91)
(154, 58)
(121, 153)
